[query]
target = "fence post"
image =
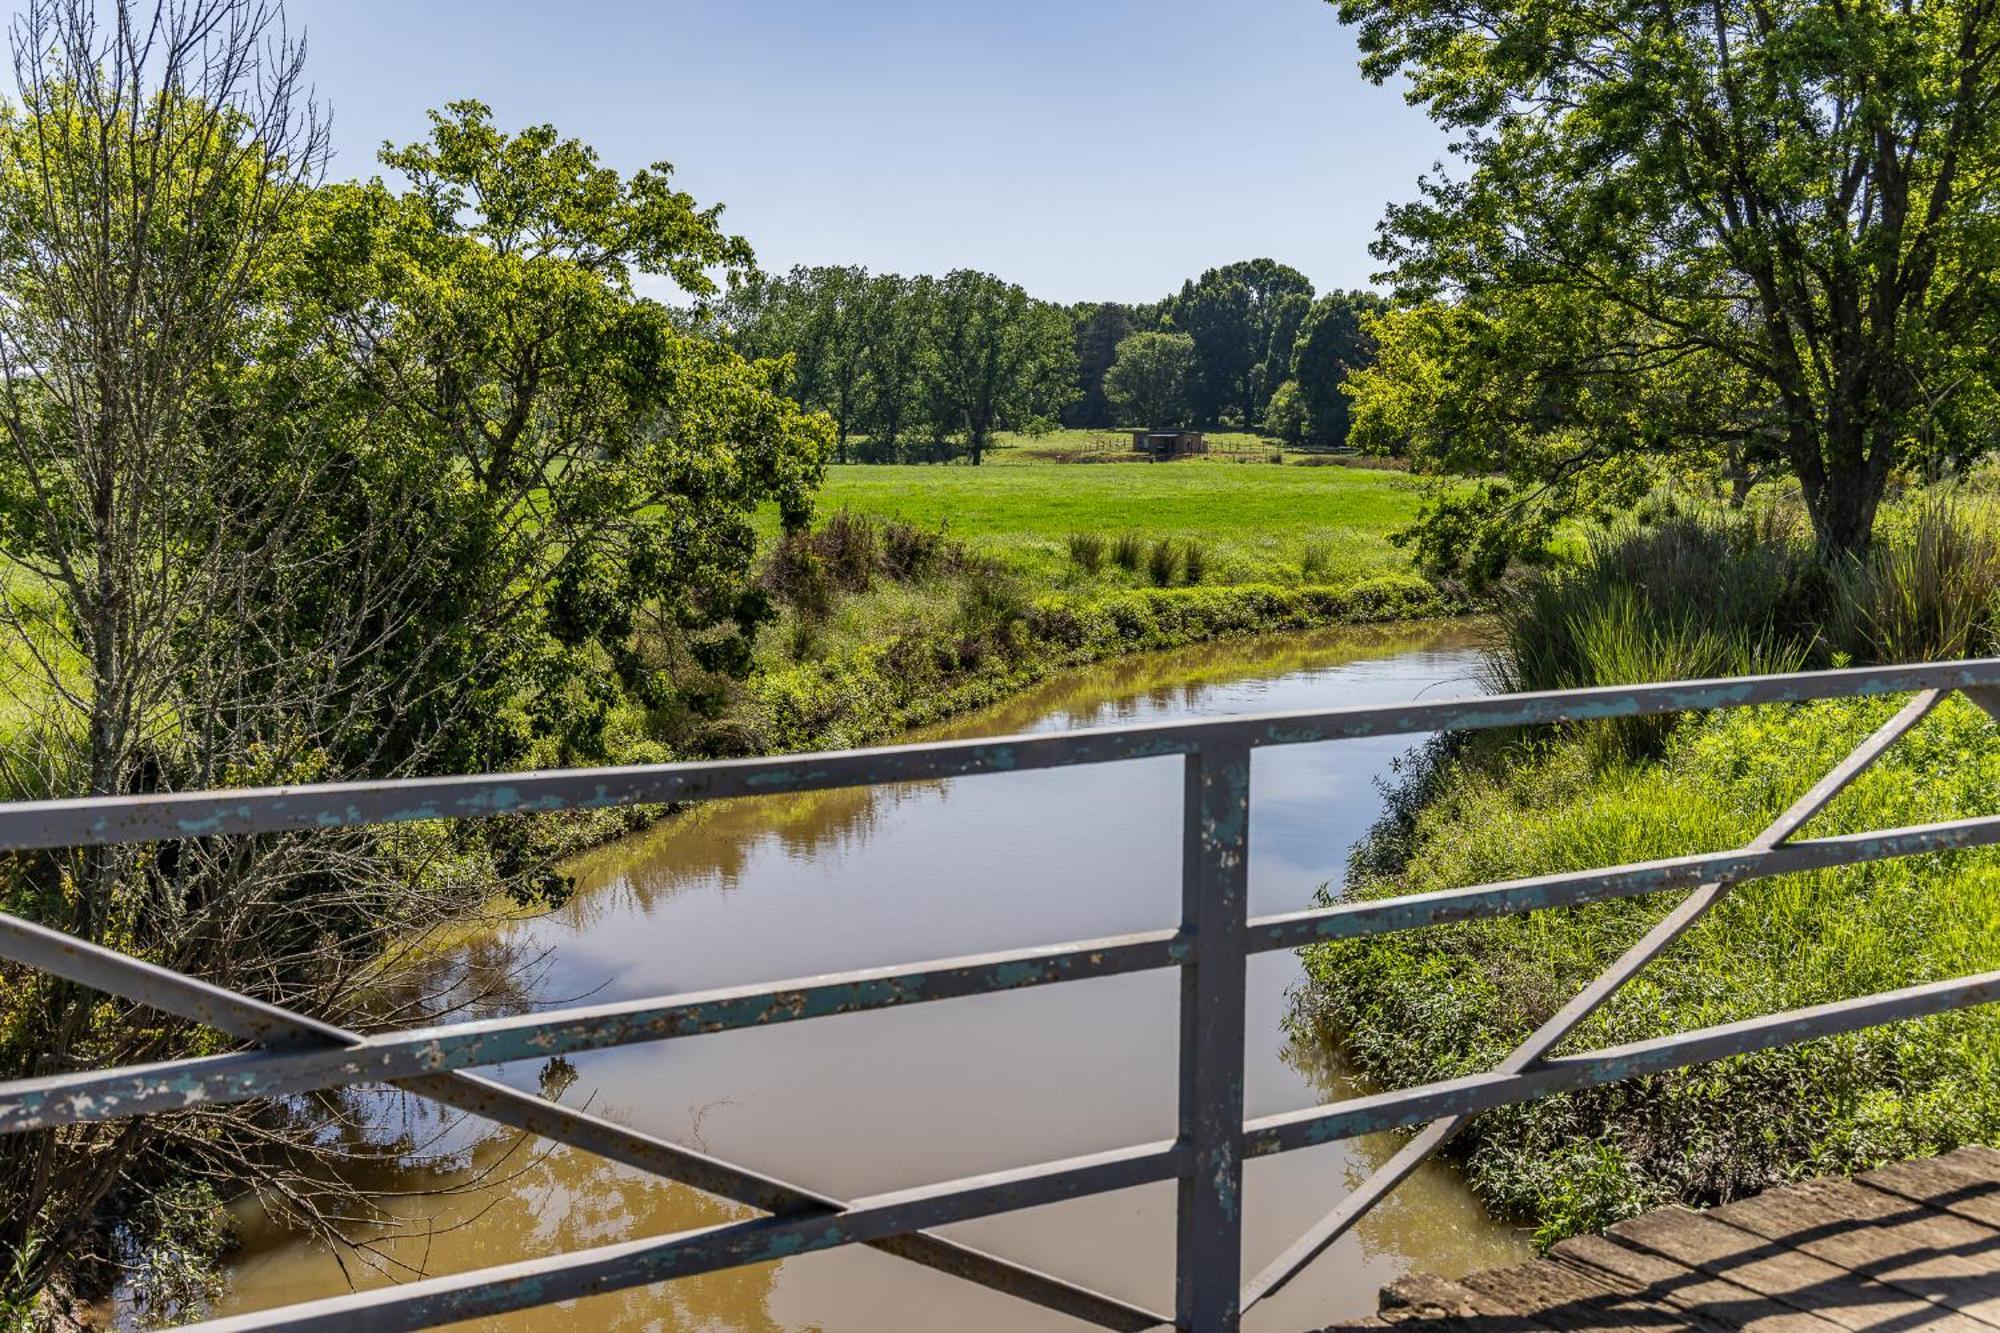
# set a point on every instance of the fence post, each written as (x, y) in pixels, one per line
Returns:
(1214, 909)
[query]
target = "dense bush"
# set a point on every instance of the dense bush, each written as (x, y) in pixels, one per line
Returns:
(1688, 596)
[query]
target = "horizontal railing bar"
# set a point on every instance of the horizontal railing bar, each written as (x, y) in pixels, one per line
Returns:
(563, 1277)
(91, 821)
(146, 983)
(41, 1103)
(1575, 888)
(1307, 1128)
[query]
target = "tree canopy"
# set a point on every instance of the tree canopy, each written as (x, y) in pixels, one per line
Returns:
(1151, 379)
(1243, 318)
(1332, 344)
(1737, 229)
(950, 360)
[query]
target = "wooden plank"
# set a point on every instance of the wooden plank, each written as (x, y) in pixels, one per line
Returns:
(1426, 1298)
(1941, 1257)
(1786, 1275)
(1705, 1301)
(1975, 1156)
(1948, 1184)
(1559, 1297)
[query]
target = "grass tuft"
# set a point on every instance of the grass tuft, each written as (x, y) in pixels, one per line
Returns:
(1086, 549)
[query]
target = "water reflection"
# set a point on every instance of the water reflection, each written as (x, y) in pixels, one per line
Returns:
(771, 887)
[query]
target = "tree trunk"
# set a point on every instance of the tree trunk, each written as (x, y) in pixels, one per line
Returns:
(1842, 498)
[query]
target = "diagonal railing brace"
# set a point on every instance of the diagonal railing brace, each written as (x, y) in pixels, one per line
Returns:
(1530, 1052)
(275, 1027)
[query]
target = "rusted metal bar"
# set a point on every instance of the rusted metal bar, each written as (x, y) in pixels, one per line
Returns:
(1215, 892)
(1576, 888)
(92, 821)
(579, 1273)
(1565, 1020)
(187, 997)
(38, 1103)
(1473, 1093)
(1211, 947)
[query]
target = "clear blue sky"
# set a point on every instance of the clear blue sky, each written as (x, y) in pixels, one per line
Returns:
(1094, 149)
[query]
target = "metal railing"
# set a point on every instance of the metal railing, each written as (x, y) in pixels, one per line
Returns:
(289, 1053)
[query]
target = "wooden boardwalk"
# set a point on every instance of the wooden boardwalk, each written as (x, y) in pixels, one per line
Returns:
(1914, 1245)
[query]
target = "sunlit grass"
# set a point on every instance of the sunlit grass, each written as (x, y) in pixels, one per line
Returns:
(1260, 522)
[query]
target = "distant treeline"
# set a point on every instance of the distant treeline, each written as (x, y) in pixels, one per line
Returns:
(927, 368)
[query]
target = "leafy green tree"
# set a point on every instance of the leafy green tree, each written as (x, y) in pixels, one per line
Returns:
(316, 483)
(1150, 380)
(824, 318)
(1285, 415)
(613, 460)
(1791, 200)
(1451, 388)
(1288, 316)
(1100, 327)
(1238, 316)
(895, 357)
(1332, 344)
(999, 358)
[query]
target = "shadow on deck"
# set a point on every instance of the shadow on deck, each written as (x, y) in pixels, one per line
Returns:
(1914, 1245)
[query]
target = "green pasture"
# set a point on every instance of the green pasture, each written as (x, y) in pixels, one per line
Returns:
(1287, 523)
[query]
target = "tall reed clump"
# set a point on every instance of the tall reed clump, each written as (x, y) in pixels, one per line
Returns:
(1087, 550)
(1163, 563)
(1128, 551)
(1699, 595)
(1194, 561)
(1689, 595)
(1316, 558)
(1925, 591)
(1680, 599)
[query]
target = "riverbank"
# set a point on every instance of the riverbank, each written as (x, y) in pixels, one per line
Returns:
(1453, 1000)
(933, 673)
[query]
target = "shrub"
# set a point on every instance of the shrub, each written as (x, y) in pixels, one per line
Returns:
(850, 546)
(1164, 562)
(910, 553)
(1128, 551)
(797, 575)
(1087, 550)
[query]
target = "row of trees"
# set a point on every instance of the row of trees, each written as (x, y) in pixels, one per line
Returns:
(921, 367)
(310, 481)
(1167, 377)
(928, 368)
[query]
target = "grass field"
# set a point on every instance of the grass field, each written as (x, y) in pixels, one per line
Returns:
(1284, 524)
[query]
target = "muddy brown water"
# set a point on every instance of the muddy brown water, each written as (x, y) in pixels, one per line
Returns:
(772, 887)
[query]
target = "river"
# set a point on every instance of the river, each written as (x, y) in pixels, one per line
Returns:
(772, 887)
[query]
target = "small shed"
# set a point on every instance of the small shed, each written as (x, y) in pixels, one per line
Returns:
(1167, 445)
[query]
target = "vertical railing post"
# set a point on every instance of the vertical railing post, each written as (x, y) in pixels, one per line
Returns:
(1214, 910)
